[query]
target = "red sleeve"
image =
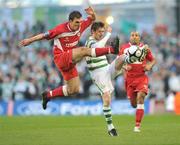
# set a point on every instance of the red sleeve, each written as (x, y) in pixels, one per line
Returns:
(54, 32)
(149, 56)
(86, 23)
(122, 47)
(121, 51)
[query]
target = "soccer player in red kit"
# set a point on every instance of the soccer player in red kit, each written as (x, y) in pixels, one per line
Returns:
(66, 53)
(136, 81)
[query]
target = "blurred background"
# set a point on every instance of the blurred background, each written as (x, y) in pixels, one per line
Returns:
(26, 72)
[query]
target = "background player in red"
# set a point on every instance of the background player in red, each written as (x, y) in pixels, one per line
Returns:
(136, 81)
(66, 37)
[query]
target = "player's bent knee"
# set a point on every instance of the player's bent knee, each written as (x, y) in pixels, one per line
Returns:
(107, 99)
(107, 102)
(72, 91)
(134, 105)
(84, 51)
(140, 97)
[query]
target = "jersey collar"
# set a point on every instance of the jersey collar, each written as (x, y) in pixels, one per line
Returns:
(68, 26)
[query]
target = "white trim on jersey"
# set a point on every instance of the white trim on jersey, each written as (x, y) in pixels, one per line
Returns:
(67, 34)
(58, 44)
(71, 29)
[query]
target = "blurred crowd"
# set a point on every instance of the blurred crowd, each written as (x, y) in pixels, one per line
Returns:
(26, 72)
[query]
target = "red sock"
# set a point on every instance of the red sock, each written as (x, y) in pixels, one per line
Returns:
(57, 92)
(139, 114)
(103, 51)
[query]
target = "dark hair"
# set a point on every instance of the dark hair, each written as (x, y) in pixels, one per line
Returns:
(74, 14)
(96, 25)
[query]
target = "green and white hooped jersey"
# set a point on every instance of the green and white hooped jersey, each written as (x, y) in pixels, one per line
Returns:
(95, 62)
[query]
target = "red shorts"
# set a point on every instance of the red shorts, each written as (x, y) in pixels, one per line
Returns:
(134, 85)
(63, 61)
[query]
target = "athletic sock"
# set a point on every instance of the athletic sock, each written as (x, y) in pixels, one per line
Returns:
(101, 51)
(108, 117)
(139, 114)
(58, 92)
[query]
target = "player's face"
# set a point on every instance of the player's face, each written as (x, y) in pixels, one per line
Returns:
(99, 33)
(75, 23)
(135, 38)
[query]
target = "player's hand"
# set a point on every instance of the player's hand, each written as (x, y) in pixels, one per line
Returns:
(109, 29)
(24, 42)
(146, 48)
(90, 11)
(145, 52)
(127, 67)
(147, 67)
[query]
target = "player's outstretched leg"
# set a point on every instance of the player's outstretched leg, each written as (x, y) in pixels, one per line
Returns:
(48, 95)
(114, 49)
(71, 87)
(79, 53)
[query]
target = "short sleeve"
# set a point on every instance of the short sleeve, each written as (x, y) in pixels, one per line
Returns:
(121, 52)
(149, 56)
(50, 34)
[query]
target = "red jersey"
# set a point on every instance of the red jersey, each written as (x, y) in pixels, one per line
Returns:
(66, 39)
(137, 68)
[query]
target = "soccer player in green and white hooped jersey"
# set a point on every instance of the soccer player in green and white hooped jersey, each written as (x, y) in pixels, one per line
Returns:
(102, 72)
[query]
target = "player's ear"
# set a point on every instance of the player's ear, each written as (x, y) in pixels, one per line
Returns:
(92, 31)
(70, 20)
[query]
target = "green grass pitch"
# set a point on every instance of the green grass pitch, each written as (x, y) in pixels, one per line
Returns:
(88, 130)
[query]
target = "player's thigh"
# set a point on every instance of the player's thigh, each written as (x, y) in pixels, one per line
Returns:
(133, 98)
(142, 85)
(102, 80)
(131, 94)
(73, 85)
(63, 60)
(79, 53)
(115, 68)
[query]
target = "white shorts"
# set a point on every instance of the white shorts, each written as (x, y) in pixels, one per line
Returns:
(102, 77)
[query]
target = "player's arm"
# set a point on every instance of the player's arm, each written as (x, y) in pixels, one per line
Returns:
(151, 61)
(50, 34)
(91, 13)
(90, 19)
(103, 41)
(30, 40)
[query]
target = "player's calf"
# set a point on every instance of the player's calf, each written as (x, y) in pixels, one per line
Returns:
(133, 102)
(139, 116)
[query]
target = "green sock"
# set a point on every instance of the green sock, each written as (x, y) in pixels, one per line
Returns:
(108, 117)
